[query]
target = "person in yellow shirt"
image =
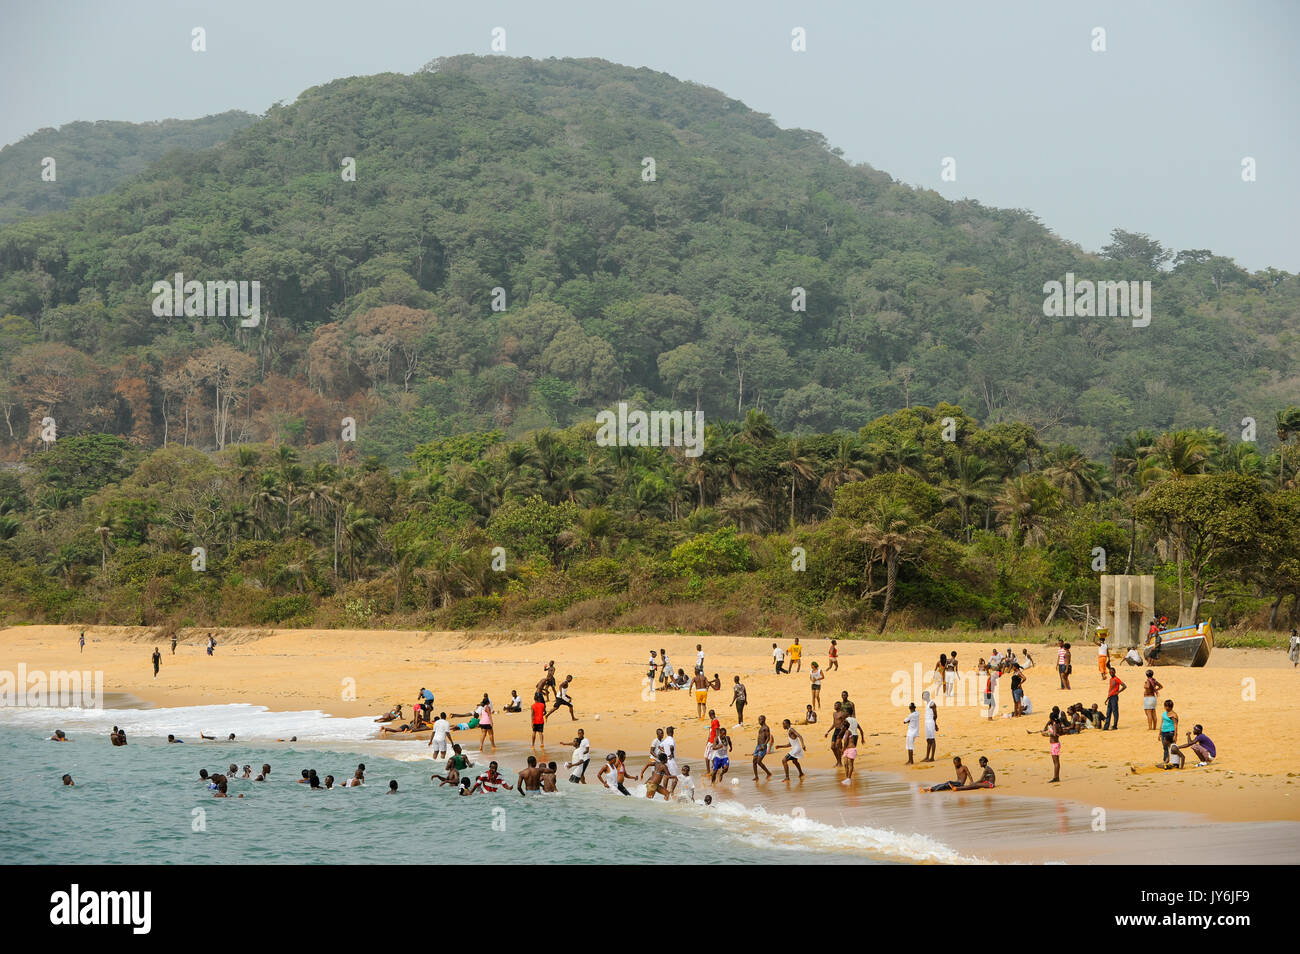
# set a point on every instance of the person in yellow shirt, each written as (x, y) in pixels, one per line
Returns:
(795, 652)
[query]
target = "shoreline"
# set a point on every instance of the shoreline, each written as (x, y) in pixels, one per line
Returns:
(290, 670)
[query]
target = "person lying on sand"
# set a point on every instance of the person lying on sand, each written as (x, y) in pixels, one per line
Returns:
(963, 778)
(392, 715)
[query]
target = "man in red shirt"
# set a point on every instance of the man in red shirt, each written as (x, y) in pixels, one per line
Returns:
(1112, 699)
(539, 720)
(713, 727)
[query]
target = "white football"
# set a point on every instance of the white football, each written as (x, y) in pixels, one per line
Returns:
(735, 781)
(596, 717)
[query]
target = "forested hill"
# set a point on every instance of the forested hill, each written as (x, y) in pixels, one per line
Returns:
(475, 174)
(92, 158)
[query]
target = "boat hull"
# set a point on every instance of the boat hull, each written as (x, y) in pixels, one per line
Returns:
(1188, 646)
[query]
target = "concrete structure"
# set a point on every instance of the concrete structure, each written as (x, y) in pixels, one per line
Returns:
(1127, 605)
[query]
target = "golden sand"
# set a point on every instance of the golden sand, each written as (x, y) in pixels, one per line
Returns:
(1247, 700)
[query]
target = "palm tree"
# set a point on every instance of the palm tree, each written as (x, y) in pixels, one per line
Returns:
(802, 469)
(892, 535)
(1073, 474)
(843, 467)
(973, 484)
(359, 531)
(1288, 426)
(745, 509)
(1023, 506)
(442, 571)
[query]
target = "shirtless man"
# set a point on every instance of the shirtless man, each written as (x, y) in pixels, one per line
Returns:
(762, 746)
(700, 683)
(548, 777)
(795, 745)
(987, 780)
(835, 731)
(530, 779)
(963, 778)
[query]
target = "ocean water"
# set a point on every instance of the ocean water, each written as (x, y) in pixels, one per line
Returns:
(144, 803)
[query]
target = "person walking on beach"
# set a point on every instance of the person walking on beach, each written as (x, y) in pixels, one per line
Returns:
(700, 683)
(484, 715)
(157, 658)
(664, 669)
(738, 698)
(1150, 699)
(762, 746)
(950, 675)
(562, 699)
(795, 652)
(1064, 664)
(795, 744)
(833, 656)
(938, 678)
(699, 659)
(1293, 653)
(816, 676)
(1017, 689)
(1103, 651)
(82, 640)
(913, 723)
(1168, 728)
(1112, 699)
(173, 644)
(1053, 732)
(778, 657)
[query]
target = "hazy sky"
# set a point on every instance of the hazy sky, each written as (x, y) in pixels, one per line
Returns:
(1148, 135)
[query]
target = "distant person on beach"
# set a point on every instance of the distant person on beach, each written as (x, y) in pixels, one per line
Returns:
(835, 731)
(762, 746)
(1116, 686)
(1103, 651)
(157, 658)
(795, 744)
(1293, 653)
(816, 676)
(913, 723)
(931, 731)
(1200, 744)
(778, 657)
(516, 704)
(67, 781)
(939, 677)
(1053, 732)
(562, 699)
(810, 716)
(950, 675)
(1168, 729)
(1017, 689)
(653, 666)
(963, 778)
(833, 657)
(850, 755)
(700, 683)
(1150, 699)
(212, 644)
(699, 658)
(173, 644)
(795, 652)
(739, 696)
(664, 665)
(82, 641)
(484, 714)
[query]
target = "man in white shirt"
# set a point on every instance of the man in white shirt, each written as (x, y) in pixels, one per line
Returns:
(778, 656)
(669, 748)
(699, 658)
(438, 741)
(577, 765)
(687, 793)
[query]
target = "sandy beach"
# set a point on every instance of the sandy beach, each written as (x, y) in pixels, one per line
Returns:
(1245, 699)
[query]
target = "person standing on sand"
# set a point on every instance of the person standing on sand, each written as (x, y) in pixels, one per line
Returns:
(484, 714)
(1293, 653)
(157, 658)
(699, 659)
(173, 644)
(913, 723)
(848, 707)
(778, 657)
(1017, 689)
(1168, 728)
(1103, 651)
(83, 640)
(795, 744)
(700, 683)
(850, 755)
(663, 666)
(833, 656)
(1150, 699)
(835, 731)
(539, 720)
(1053, 732)
(1065, 664)
(816, 676)
(931, 731)
(1112, 699)
(738, 698)
(762, 746)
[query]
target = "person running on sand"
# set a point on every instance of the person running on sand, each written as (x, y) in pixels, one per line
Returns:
(795, 652)
(721, 757)
(913, 723)
(836, 731)
(738, 698)
(762, 746)
(700, 683)
(157, 658)
(833, 656)
(562, 699)
(1150, 699)
(530, 778)
(815, 676)
(963, 778)
(795, 745)
(778, 657)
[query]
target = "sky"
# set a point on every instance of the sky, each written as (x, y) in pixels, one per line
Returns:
(1148, 135)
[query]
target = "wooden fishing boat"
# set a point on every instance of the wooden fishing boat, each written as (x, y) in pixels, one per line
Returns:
(1186, 646)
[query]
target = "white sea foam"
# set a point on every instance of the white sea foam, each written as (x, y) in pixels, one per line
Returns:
(248, 722)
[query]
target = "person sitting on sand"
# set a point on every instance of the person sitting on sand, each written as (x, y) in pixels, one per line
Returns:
(809, 716)
(516, 704)
(987, 780)
(392, 715)
(963, 778)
